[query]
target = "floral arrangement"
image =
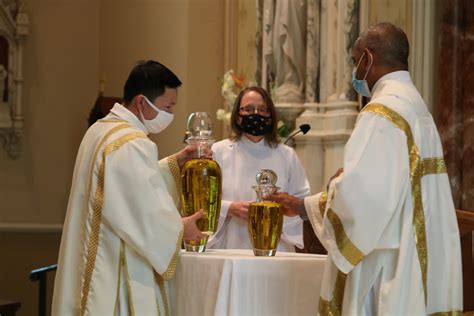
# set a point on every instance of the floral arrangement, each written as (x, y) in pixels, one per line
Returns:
(282, 129)
(231, 85)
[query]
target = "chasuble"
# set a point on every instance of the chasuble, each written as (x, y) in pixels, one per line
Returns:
(388, 221)
(122, 231)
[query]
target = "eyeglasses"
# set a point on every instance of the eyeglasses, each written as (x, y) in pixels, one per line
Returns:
(248, 110)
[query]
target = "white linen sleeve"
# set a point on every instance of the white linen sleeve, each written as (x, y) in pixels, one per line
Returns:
(137, 204)
(369, 194)
(221, 225)
(292, 231)
(224, 203)
(223, 214)
(298, 185)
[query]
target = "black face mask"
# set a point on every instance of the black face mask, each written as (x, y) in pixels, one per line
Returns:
(256, 124)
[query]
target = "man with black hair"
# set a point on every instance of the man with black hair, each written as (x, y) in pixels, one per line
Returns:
(122, 232)
(388, 220)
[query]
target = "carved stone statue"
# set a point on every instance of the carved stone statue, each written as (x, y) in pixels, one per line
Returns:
(3, 76)
(286, 52)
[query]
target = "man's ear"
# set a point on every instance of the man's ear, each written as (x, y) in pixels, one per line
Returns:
(370, 57)
(137, 102)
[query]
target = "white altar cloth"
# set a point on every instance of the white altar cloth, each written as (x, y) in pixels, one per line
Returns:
(235, 282)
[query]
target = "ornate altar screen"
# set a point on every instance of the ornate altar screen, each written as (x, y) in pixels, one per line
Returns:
(13, 30)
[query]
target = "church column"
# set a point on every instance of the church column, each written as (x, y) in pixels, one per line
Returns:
(333, 117)
(284, 56)
(455, 114)
(456, 99)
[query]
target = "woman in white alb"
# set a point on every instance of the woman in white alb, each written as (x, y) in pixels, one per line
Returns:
(255, 146)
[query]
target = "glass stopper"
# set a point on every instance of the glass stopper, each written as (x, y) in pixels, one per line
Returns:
(199, 126)
(266, 183)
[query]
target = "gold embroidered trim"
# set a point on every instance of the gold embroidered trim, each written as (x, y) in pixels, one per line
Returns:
(433, 165)
(416, 173)
(117, 299)
(158, 307)
(334, 306)
(158, 310)
(168, 274)
(93, 243)
(120, 142)
(322, 203)
(111, 121)
(176, 172)
(85, 287)
(344, 244)
(94, 158)
(450, 313)
(164, 297)
(127, 279)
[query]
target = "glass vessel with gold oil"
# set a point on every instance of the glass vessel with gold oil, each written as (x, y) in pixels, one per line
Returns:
(201, 182)
(265, 218)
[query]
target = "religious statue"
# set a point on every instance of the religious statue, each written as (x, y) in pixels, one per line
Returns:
(3, 77)
(286, 52)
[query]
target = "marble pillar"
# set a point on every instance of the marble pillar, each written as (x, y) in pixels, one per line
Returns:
(468, 108)
(321, 150)
(332, 109)
(455, 117)
(455, 109)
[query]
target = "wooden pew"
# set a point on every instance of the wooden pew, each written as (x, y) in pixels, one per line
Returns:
(466, 227)
(9, 308)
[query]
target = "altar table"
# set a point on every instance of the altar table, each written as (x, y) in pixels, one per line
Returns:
(235, 282)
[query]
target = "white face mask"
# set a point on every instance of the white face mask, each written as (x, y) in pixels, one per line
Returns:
(160, 122)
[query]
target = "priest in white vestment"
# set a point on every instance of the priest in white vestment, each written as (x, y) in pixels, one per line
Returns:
(122, 231)
(254, 148)
(388, 221)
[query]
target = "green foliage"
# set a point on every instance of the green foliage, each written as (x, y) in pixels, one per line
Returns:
(282, 129)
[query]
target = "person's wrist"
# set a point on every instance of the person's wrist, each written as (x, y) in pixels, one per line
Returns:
(302, 210)
(180, 159)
